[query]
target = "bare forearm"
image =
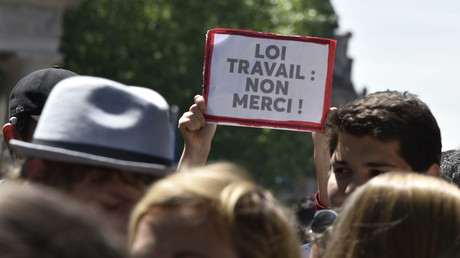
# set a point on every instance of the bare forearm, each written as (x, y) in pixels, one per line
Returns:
(194, 156)
(322, 169)
(322, 163)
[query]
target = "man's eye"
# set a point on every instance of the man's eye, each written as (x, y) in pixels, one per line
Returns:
(375, 172)
(341, 170)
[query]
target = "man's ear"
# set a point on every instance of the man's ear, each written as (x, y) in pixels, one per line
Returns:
(10, 132)
(35, 170)
(434, 170)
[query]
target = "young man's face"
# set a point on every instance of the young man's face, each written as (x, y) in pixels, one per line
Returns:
(113, 193)
(358, 159)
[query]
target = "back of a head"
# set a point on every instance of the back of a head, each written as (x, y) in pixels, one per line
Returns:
(246, 214)
(38, 222)
(392, 115)
(398, 215)
(29, 95)
(450, 166)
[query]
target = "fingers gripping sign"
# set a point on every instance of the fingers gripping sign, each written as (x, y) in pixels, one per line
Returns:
(199, 109)
(193, 121)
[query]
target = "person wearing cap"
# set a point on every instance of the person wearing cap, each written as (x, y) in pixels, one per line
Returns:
(101, 142)
(27, 100)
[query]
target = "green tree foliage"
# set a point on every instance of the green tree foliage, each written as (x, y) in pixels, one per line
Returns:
(160, 44)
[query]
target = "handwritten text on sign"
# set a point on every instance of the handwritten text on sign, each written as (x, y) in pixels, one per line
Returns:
(263, 79)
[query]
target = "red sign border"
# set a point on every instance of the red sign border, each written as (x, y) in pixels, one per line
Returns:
(292, 125)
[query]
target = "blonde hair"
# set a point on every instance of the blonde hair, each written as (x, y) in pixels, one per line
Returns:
(398, 215)
(249, 216)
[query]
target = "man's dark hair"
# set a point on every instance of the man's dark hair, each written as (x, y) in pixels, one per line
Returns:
(450, 166)
(387, 116)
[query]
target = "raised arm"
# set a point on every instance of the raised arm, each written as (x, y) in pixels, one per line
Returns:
(197, 134)
(322, 158)
(322, 164)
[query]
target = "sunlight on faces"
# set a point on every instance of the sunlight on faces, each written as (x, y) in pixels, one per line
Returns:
(185, 231)
(358, 159)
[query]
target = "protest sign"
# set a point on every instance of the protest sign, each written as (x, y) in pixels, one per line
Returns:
(267, 80)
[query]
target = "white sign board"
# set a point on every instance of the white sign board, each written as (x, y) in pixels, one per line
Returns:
(267, 80)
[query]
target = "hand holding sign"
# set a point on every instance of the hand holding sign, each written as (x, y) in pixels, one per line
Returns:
(267, 80)
(197, 134)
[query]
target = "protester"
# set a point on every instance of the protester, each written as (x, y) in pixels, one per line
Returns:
(380, 132)
(27, 100)
(101, 142)
(450, 166)
(213, 211)
(398, 215)
(377, 133)
(38, 222)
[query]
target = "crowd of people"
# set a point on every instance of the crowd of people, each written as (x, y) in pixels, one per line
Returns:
(91, 174)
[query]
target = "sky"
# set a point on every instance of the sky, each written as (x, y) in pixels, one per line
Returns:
(408, 46)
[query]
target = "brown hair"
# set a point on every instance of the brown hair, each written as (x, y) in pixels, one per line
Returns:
(392, 115)
(398, 215)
